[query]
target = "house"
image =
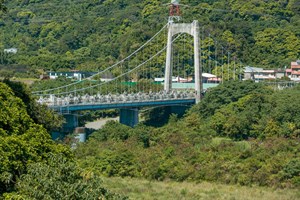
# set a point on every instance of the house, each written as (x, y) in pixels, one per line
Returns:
(44, 77)
(259, 74)
(206, 78)
(294, 72)
(280, 73)
(106, 77)
(75, 75)
(288, 73)
(210, 78)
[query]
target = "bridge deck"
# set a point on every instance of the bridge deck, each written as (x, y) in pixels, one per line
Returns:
(119, 105)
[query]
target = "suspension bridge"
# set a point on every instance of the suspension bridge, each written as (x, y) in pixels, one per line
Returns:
(177, 49)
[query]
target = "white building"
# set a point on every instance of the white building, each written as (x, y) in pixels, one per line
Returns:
(258, 74)
(175, 79)
(11, 50)
(75, 75)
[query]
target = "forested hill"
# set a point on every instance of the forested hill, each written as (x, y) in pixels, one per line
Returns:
(91, 35)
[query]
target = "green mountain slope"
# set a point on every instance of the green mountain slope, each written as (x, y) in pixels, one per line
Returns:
(91, 35)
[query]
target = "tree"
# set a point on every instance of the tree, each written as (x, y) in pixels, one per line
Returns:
(40, 114)
(123, 27)
(60, 179)
(22, 141)
(227, 93)
(279, 47)
(238, 119)
(2, 6)
(229, 72)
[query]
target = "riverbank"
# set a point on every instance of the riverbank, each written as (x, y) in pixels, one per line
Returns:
(99, 123)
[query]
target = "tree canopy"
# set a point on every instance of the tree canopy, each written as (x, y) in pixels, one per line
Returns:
(2, 6)
(91, 35)
(22, 140)
(31, 161)
(240, 133)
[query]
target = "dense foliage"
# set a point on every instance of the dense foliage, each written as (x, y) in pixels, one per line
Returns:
(32, 165)
(2, 6)
(39, 113)
(60, 179)
(91, 35)
(22, 140)
(241, 133)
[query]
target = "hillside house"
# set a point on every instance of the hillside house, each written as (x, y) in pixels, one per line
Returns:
(294, 72)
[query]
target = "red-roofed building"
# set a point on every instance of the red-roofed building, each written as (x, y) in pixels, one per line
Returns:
(294, 72)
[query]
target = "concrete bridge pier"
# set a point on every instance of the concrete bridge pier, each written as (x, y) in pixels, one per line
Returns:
(71, 123)
(129, 116)
(69, 126)
(179, 110)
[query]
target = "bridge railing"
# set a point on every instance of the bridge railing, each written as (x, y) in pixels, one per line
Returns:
(115, 98)
(280, 85)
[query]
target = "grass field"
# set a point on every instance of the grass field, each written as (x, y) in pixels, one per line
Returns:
(27, 81)
(143, 189)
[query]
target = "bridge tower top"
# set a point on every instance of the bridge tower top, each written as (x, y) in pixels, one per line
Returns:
(174, 13)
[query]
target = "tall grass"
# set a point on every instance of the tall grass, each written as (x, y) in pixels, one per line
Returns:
(144, 189)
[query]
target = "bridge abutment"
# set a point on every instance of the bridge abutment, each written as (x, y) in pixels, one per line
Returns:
(129, 116)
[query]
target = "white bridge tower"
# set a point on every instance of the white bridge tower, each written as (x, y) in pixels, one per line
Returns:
(191, 29)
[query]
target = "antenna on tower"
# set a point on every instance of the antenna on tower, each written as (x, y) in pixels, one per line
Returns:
(174, 13)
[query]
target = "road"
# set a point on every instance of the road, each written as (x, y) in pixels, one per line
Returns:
(99, 123)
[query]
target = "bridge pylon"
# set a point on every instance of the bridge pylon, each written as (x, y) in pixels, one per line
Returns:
(191, 29)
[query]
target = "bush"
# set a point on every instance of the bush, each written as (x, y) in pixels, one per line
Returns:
(292, 168)
(112, 130)
(60, 179)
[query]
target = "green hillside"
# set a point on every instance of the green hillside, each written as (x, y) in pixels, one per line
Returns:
(91, 35)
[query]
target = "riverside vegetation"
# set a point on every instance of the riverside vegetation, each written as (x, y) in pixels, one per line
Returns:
(32, 165)
(241, 133)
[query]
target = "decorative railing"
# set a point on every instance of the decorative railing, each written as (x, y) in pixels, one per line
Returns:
(115, 98)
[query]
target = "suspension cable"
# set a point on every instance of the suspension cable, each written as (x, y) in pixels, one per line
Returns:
(48, 90)
(138, 66)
